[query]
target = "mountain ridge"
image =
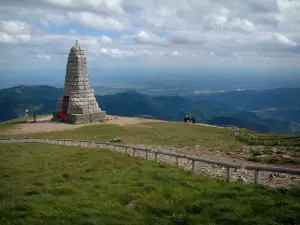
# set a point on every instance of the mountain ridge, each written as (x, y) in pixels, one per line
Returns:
(207, 109)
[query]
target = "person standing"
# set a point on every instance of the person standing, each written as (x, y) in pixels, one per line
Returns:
(62, 117)
(26, 115)
(34, 117)
(185, 118)
(194, 120)
(189, 118)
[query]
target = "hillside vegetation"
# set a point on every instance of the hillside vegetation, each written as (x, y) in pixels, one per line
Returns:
(48, 184)
(166, 134)
(204, 140)
(218, 109)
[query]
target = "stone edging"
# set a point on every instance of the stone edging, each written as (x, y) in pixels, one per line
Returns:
(231, 172)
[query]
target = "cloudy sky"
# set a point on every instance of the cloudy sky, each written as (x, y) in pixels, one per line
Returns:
(151, 33)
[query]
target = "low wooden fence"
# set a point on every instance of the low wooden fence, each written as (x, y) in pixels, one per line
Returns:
(192, 160)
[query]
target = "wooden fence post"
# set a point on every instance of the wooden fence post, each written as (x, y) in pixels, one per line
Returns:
(126, 150)
(177, 161)
(155, 156)
(134, 152)
(193, 166)
(228, 174)
(256, 176)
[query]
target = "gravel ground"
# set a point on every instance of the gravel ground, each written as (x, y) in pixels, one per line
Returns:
(266, 178)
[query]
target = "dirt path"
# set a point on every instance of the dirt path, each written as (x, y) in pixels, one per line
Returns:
(45, 124)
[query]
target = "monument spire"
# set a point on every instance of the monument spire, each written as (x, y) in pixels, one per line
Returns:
(78, 100)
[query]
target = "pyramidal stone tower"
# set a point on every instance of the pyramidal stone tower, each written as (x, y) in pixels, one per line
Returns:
(78, 100)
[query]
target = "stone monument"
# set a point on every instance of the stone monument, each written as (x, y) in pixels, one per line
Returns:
(77, 100)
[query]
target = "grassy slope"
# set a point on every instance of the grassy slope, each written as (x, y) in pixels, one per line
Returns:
(158, 133)
(167, 134)
(292, 142)
(11, 124)
(48, 184)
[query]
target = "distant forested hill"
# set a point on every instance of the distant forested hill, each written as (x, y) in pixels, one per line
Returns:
(220, 109)
(14, 101)
(251, 100)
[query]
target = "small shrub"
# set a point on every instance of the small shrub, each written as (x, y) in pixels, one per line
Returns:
(66, 175)
(38, 184)
(194, 208)
(30, 193)
(87, 178)
(158, 209)
(167, 193)
(61, 191)
(89, 170)
(180, 219)
(255, 152)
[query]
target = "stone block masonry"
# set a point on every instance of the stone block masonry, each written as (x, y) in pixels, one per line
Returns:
(86, 118)
(78, 100)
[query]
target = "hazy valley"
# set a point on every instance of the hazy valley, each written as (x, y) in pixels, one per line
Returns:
(270, 111)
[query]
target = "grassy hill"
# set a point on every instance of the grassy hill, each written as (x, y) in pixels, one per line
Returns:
(166, 134)
(14, 101)
(218, 109)
(178, 137)
(48, 184)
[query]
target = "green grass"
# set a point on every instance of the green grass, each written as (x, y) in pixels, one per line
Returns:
(12, 122)
(4, 126)
(51, 184)
(158, 133)
(292, 142)
(271, 135)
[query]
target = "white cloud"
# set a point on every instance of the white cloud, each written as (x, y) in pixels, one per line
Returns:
(148, 38)
(23, 37)
(284, 40)
(92, 20)
(175, 53)
(81, 18)
(43, 56)
(117, 52)
(238, 31)
(14, 27)
(182, 37)
(106, 39)
(107, 7)
(6, 38)
(144, 38)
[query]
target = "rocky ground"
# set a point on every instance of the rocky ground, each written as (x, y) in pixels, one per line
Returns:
(266, 178)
